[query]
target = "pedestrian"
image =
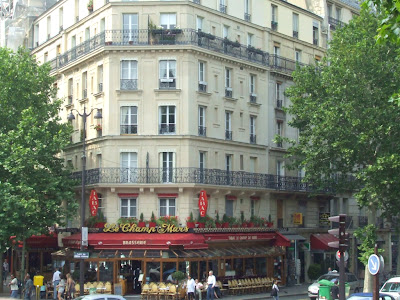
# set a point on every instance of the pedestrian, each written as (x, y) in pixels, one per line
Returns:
(61, 287)
(56, 281)
(275, 290)
(335, 290)
(13, 286)
(70, 287)
(28, 288)
(199, 287)
(211, 281)
(6, 269)
(190, 286)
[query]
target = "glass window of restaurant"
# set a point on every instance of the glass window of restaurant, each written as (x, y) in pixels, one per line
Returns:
(261, 266)
(153, 271)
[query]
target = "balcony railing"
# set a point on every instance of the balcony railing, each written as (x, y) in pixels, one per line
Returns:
(167, 84)
(202, 87)
(253, 139)
(128, 129)
(202, 131)
(315, 42)
(335, 23)
(279, 103)
(145, 37)
(70, 99)
(100, 87)
(222, 8)
(167, 128)
(84, 93)
(196, 176)
(228, 92)
(228, 135)
(274, 25)
(295, 34)
(129, 84)
(253, 98)
(247, 17)
(196, 1)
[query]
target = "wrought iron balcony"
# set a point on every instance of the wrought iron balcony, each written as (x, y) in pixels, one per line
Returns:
(167, 84)
(84, 93)
(202, 87)
(129, 84)
(247, 17)
(228, 135)
(335, 23)
(128, 129)
(202, 131)
(253, 139)
(228, 92)
(279, 103)
(222, 8)
(145, 37)
(167, 128)
(295, 34)
(100, 87)
(196, 1)
(274, 25)
(70, 99)
(315, 42)
(253, 98)
(195, 176)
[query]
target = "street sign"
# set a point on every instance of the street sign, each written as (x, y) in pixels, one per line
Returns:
(346, 255)
(81, 255)
(85, 236)
(374, 264)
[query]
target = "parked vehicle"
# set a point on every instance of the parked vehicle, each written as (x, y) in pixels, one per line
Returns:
(392, 288)
(368, 296)
(355, 284)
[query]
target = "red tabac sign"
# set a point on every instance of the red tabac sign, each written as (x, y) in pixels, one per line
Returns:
(93, 203)
(203, 203)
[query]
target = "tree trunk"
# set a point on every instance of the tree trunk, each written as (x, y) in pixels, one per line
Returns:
(1, 273)
(22, 273)
(368, 278)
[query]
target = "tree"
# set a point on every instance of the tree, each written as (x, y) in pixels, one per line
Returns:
(348, 131)
(36, 189)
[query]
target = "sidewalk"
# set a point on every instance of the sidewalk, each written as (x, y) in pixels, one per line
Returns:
(284, 292)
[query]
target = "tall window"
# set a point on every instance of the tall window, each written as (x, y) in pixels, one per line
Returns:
(202, 121)
(167, 119)
(128, 166)
(222, 6)
(247, 15)
(252, 88)
(228, 125)
(274, 17)
(128, 207)
(252, 129)
(315, 33)
(100, 78)
(277, 52)
(129, 119)
(167, 74)
(129, 75)
(278, 95)
(168, 21)
(329, 11)
(295, 25)
(202, 77)
(252, 207)
(167, 163)
(229, 207)
(202, 165)
(70, 90)
(225, 31)
(279, 131)
(167, 207)
(338, 13)
(228, 83)
(130, 28)
(199, 23)
(297, 56)
(250, 39)
(84, 85)
(61, 18)
(280, 168)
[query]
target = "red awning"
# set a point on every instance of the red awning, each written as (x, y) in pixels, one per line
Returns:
(40, 241)
(277, 238)
(320, 241)
(138, 241)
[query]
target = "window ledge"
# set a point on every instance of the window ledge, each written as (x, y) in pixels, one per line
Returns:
(139, 92)
(254, 103)
(204, 93)
(231, 99)
(69, 105)
(169, 91)
(84, 100)
(98, 94)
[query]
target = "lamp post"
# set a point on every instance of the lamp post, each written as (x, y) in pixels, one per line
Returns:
(84, 116)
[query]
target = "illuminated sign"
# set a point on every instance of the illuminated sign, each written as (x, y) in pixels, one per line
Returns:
(134, 228)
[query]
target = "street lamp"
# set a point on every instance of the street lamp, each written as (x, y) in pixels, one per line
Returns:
(84, 116)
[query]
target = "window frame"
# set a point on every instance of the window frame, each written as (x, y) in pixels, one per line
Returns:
(129, 207)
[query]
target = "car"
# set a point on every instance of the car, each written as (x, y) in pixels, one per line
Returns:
(392, 288)
(100, 297)
(369, 296)
(355, 284)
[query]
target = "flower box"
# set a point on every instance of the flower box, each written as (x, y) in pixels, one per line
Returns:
(152, 224)
(225, 225)
(141, 224)
(190, 224)
(218, 225)
(99, 225)
(200, 225)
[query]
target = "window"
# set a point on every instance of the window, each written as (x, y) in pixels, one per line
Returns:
(199, 23)
(167, 163)
(278, 95)
(100, 209)
(128, 120)
(129, 75)
(280, 168)
(277, 61)
(100, 78)
(247, 15)
(329, 10)
(241, 162)
(225, 31)
(202, 77)
(228, 82)
(222, 6)
(202, 121)
(70, 90)
(61, 18)
(301, 173)
(228, 125)
(229, 207)
(315, 33)
(128, 207)
(296, 26)
(48, 27)
(128, 167)
(167, 119)
(279, 131)
(249, 39)
(84, 85)
(252, 87)
(228, 162)
(274, 17)
(297, 56)
(252, 207)
(168, 21)
(102, 25)
(130, 28)
(202, 165)
(338, 13)
(167, 207)
(252, 129)
(167, 74)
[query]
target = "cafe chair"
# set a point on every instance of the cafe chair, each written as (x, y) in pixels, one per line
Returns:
(108, 288)
(154, 292)
(145, 291)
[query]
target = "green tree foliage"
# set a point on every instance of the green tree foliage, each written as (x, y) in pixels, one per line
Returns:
(36, 190)
(367, 236)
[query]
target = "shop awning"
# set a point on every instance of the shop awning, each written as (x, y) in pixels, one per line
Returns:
(138, 241)
(275, 238)
(40, 241)
(294, 237)
(320, 241)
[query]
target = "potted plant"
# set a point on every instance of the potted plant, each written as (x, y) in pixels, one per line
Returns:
(270, 223)
(210, 223)
(90, 5)
(178, 276)
(218, 223)
(256, 221)
(153, 220)
(201, 222)
(97, 221)
(125, 220)
(225, 221)
(234, 222)
(98, 127)
(243, 222)
(141, 223)
(190, 221)
(169, 220)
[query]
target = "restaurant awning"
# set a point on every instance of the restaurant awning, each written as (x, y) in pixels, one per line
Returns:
(320, 241)
(276, 238)
(40, 241)
(138, 241)
(294, 237)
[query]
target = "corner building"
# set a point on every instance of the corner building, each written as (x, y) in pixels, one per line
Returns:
(191, 95)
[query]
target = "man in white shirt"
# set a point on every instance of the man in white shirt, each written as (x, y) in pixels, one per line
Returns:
(56, 281)
(191, 286)
(14, 286)
(211, 281)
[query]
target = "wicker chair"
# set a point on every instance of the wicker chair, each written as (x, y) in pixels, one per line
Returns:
(145, 291)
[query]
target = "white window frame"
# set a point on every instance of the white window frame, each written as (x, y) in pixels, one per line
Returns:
(199, 23)
(129, 117)
(131, 204)
(129, 165)
(131, 66)
(167, 163)
(280, 168)
(168, 20)
(253, 125)
(165, 112)
(295, 20)
(170, 70)
(202, 72)
(228, 78)
(252, 85)
(274, 13)
(202, 116)
(170, 204)
(228, 120)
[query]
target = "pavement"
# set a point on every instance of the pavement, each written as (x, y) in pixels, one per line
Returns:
(284, 291)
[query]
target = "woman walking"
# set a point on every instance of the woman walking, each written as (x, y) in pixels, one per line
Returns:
(275, 290)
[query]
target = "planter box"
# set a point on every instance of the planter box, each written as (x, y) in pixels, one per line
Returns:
(218, 225)
(99, 225)
(190, 224)
(250, 224)
(225, 225)
(200, 225)
(142, 224)
(152, 224)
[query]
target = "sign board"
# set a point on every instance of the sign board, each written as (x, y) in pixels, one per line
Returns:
(93, 203)
(346, 255)
(375, 264)
(85, 235)
(203, 203)
(297, 218)
(81, 255)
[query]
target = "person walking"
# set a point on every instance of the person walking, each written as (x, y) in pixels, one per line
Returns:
(28, 288)
(199, 287)
(335, 290)
(61, 287)
(70, 287)
(14, 287)
(211, 281)
(56, 281)
(275, 290)
(190, 286)
(6, 269)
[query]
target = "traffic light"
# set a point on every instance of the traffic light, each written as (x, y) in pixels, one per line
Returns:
(340, 232)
